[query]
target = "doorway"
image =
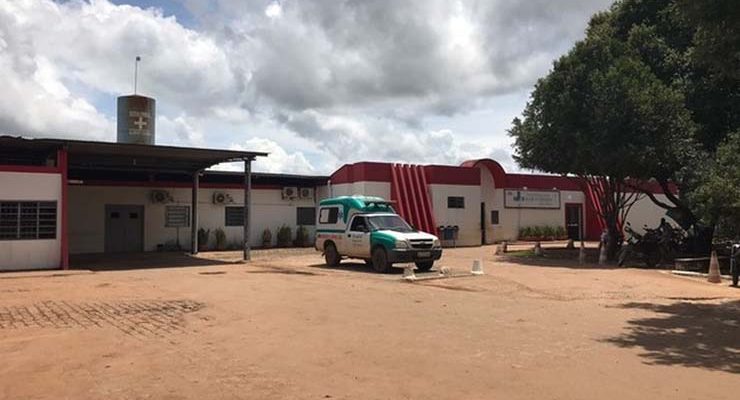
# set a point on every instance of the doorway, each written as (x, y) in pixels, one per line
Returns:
(482, 223)
(574, 220)
(124, 228)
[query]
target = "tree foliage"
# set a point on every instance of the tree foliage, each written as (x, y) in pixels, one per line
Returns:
(632, 100)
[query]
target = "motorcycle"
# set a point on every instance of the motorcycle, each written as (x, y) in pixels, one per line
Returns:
(656, 245)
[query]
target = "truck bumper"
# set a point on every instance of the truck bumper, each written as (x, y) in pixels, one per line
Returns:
(401, 256)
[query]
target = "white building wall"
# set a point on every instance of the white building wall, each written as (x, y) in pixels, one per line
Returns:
(380, 189)
(87, 215)
(645, 212)
(467, 219)
(31, 254)
(512, 219)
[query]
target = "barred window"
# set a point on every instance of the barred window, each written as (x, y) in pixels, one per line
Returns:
(455, 202)
(234, 216)
(177, 216)
(26, 220)
(305, 216)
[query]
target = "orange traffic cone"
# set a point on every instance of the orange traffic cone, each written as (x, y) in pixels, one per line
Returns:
(714, 276)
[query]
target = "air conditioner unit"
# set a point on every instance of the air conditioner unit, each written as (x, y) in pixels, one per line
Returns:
(160, 196)
(290, 192)
(306, 193)
(222, 198)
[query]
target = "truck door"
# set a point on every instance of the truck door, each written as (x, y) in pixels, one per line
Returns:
(358, 238)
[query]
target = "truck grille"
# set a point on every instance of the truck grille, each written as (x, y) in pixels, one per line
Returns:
(421, 243)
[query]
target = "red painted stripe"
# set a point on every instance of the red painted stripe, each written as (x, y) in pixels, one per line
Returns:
(411, 193)
(168, 184)
(405, 212)
(422, 190)
(40, 169)
(64, 240)
(394, 187)
(428, 203)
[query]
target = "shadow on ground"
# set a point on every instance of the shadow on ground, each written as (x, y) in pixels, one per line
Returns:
(129, 261)
(355, 267)
(689, 334)
(559, 258)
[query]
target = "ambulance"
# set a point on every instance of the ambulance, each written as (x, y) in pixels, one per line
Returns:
(368, 228)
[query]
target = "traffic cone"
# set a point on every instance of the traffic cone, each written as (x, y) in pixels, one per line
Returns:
(504, 247)
(602, 254)
(477, 267)
(408, 272)
(714, 276)
(538, 249)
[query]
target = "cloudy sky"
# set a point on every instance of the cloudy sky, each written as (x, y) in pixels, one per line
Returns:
(317, 83)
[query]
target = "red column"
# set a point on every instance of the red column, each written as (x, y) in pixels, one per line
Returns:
(62, 164)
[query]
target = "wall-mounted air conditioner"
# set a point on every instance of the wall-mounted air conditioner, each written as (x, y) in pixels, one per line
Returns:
(290, 192)
(160, 196)
(306, 193)
(222, 198)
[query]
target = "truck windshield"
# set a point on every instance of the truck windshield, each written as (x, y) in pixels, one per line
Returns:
(389, 222)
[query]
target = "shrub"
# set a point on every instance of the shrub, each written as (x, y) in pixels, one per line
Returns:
(561, 233)
(284, 236)
(301, 236)
(267, 238)
(203, 237)
(220, 236)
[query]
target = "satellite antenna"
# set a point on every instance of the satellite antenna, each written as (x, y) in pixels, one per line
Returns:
(136, 73)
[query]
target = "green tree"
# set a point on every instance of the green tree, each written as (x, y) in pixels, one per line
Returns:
(633, 101)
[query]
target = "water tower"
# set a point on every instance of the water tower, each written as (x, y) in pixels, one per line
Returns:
(136, 116)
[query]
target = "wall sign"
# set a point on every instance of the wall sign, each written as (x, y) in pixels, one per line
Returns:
(517, 198)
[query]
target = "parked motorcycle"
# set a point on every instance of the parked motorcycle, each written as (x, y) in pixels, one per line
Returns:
(656, 245)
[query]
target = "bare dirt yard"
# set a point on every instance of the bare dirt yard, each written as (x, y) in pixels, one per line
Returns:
(287, 327)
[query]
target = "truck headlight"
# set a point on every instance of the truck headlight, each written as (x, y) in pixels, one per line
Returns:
(437, 243)
(402, 244)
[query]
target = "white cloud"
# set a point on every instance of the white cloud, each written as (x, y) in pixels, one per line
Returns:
(327, 82)
(278, 160)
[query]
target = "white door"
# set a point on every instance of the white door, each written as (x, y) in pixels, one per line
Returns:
(358, 238)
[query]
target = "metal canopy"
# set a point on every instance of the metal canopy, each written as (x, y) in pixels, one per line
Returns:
(118, 156)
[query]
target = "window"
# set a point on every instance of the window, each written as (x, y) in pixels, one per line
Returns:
(358, 225)
(494, 217)
(177, 216)
(455, 202)
(305, 216)
(234, 216)
(28, 220)
(329, 215)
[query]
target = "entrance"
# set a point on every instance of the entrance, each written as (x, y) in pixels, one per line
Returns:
(124, 228)
(482, 223)
(573, 220)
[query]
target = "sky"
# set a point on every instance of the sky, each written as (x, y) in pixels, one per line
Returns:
(316, 83)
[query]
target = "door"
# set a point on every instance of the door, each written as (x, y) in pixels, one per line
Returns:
(358, 238)
(124, 228)
(482, 223)
(574, 221)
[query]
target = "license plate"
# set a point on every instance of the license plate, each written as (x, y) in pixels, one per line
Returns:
(423, 254)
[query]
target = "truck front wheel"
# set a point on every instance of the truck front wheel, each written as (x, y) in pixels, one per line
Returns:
(331, 256)
(380, 260)
(424, 266)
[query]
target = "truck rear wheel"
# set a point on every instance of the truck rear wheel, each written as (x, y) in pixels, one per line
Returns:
(331, 256)
(424, 266)
(380, 260)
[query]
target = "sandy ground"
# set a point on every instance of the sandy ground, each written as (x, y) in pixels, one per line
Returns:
(287, 327)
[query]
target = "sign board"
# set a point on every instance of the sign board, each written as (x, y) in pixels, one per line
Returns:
(517, 198)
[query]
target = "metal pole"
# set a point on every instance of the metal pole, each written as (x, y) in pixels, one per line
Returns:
(194, 215)
(247, 206)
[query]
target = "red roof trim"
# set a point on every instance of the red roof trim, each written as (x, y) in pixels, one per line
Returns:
(35, 169)
(164, 184)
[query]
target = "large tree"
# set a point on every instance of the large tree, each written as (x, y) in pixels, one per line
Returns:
(632, 101)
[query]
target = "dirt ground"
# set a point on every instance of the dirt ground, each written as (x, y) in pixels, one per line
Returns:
(287, 327)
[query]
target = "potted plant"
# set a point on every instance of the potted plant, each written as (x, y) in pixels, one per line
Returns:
(301, 236)
(284, 236)
(203, 236)
(220, 236)
(267, 238)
